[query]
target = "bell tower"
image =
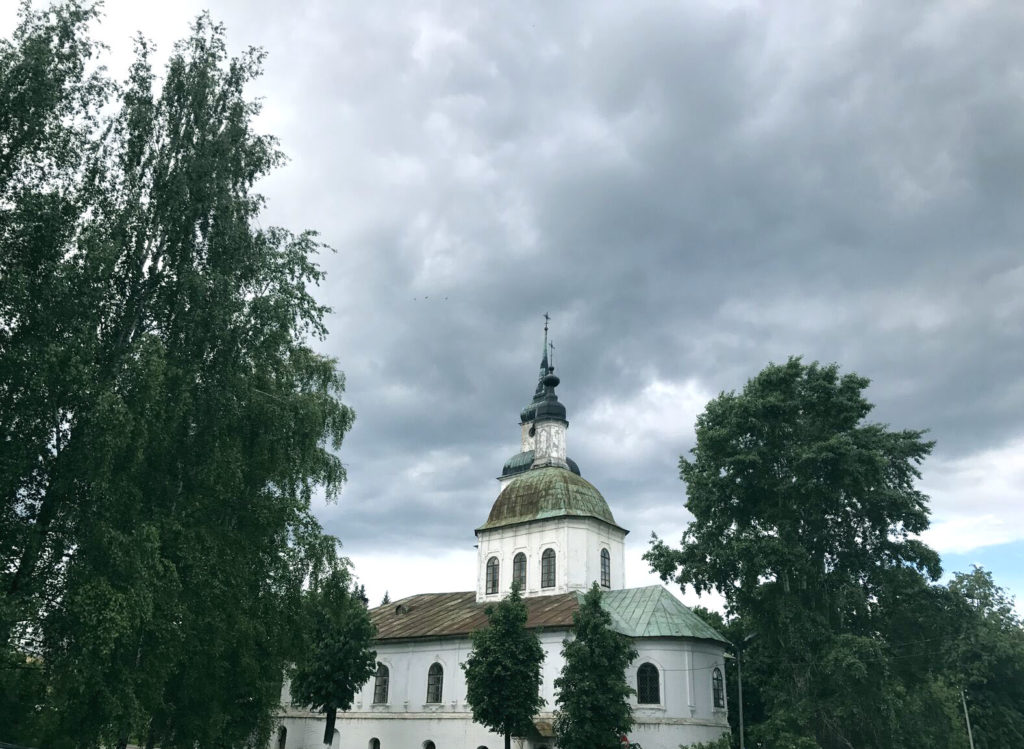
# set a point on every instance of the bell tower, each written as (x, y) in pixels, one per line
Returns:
(549, 530)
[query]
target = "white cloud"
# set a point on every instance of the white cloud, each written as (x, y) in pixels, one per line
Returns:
(976, 500)
(659, 417)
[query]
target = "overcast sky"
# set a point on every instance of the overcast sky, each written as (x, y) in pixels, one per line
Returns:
(691, 190)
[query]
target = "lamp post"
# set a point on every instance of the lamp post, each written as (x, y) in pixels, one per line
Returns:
(970, 736)
(739, 681)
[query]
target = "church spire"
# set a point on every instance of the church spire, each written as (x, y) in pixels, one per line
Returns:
(544, 352)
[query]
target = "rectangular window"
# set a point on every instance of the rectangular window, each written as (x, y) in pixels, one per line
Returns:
(435, 683)
(547, 569)
(380, 685)
(492, 575)
(519, 570)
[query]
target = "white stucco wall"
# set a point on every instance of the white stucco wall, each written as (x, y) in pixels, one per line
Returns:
(577, 543)
(684, 716)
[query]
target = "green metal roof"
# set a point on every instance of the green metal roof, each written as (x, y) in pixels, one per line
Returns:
(654, 612)
(547, 492)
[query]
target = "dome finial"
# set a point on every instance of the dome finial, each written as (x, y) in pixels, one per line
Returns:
(544, 355)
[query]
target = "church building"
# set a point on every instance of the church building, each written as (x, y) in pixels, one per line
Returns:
(552, 531)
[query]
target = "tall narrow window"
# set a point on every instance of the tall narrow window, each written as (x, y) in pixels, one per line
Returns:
(380, 685)
(374, 743)
(435, 683)
(492, 575)
(648, 690)
(547, 569)
(519, 570)
(606, 568)
(718, 688)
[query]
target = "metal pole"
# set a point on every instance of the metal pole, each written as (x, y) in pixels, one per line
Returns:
(970, 736)
(739, 683)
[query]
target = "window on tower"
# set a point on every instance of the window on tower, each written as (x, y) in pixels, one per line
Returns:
(492, 575)
(606, 568)
(547, 569)
(519, 570)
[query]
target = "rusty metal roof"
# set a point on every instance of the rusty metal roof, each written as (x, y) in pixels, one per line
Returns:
(458, 614)
(637, 612)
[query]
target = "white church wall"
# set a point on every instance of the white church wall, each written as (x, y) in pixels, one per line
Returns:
(684, 716)
(577, 543)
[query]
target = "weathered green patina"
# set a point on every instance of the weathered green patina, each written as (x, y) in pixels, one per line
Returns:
(548, 492)
(654, 612)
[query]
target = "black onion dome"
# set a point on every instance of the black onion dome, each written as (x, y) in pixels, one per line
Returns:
(521, 462)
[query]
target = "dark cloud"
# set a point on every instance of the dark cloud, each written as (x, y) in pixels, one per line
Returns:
(691, 190)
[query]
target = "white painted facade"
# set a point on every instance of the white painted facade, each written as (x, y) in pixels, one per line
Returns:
(684, 715)
(577, 543)
(685, 711)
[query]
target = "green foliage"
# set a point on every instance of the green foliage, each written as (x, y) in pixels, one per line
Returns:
(592, 693)
(987, 660)
(335, 658)
(805, 519)
(164, 421)
(503, 674)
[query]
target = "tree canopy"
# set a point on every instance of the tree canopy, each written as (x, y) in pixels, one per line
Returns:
(806, 519)
(335, 658)
(164, 421)
(592, 692)
(503, 672)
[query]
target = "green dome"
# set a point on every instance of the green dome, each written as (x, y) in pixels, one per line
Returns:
(547, 492)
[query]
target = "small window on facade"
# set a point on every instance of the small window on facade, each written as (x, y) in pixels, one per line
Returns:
(380, 685)
(648, 688)
(492, 575)
(282, 737)
(547, 569)
(374, 744)
(519, 570)
(428, 744)
(435, 684)
(606, 568)
(718, 688)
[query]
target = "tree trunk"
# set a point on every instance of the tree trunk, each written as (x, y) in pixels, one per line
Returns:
(508, 740)
(332, 715)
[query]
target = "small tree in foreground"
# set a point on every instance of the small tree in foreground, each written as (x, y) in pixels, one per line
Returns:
(503, 672)
(593, 696)
(336, 657)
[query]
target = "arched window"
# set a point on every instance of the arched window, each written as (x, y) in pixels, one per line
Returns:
(380, 684)
(492, 575)
(282, 737)
(519, 570)
(374, 744)
(606, 568)
(648, 688)
(717, 687)
(428, 744)
(435, 684)
(547, 569)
